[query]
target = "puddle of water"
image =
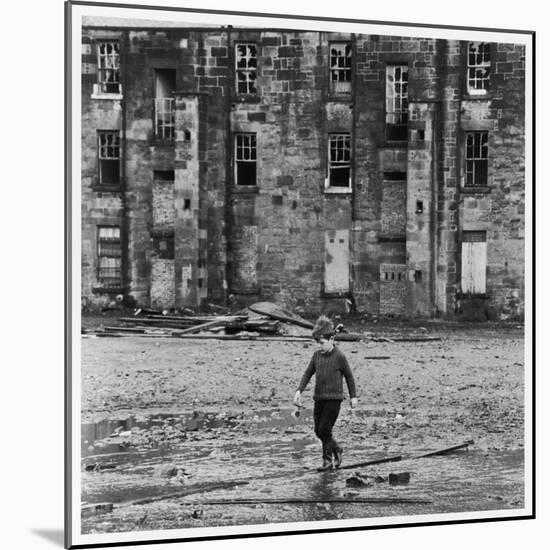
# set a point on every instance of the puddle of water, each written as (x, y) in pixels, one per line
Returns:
(94, 434)
(461, 482)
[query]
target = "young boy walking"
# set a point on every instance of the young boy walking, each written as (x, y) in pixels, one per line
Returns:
(330, 367)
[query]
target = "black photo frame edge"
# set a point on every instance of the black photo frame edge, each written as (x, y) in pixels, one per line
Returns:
(68, 420)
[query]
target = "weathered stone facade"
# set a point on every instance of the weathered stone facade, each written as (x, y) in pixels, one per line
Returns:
(191, 232)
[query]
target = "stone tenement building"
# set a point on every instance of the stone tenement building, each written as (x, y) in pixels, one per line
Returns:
(304, 168)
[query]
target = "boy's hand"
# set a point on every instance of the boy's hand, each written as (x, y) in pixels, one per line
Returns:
(297, 399)
(353, 402)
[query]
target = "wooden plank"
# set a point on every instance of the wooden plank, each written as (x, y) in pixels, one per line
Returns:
(371, 500)
(279, 313)
(348, 337)
(448, 449)
(185, 492)
(396, 458)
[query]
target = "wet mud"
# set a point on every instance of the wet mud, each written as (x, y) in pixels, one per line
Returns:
(176, 434)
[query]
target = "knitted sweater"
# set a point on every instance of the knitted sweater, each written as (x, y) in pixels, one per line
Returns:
(329, 368)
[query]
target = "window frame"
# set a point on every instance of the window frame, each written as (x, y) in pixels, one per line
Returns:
(337, 164)
(100, 158)
(248, 70)
(484, 65)
(474, 161)
(253, 148)
(164, 104)
(117, 268)
(390, 98)
(100, 88)
(347, 69)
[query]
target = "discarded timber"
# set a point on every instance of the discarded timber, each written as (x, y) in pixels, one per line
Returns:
(448, 449)
(348, 337)
(154, 322)
(396, 458)
(417, 339)
(135, 330)
(88, 510)
(279, 313)
(185, 492)
(173, 333)
(217, 322)
(372, 500)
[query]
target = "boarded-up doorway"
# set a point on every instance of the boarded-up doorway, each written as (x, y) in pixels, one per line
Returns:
(337, 261)
(392, 289)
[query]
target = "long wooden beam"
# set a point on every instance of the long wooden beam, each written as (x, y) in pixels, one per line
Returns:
(371, 500)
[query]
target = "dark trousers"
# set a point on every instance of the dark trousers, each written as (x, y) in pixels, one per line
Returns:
(325, 413)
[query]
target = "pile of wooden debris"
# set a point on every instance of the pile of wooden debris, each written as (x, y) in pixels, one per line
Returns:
(258, 321)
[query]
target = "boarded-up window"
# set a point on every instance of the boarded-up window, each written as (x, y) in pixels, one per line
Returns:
(474, 262)
(337, 261)
(109, 254)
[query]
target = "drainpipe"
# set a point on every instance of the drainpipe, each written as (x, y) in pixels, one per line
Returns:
(124, 222)
(353, 124)
(458, 164)
(353, 107)
(436, 133)
(436, 175)
(228, 209)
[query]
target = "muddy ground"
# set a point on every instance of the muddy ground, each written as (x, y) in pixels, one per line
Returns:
(173, 429)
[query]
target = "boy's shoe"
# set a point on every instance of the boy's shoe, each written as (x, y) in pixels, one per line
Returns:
(338, 451)
(327, 465)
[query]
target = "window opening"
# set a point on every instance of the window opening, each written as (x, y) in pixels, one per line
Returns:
(245, 157)
(164, 175)
(109, 157)
(246, 67)
(339, 160)
(109, 252)
(165, 114)
(340, 67)
(395, 176)
(479, 65)
(397, 104)
(108, 68)
(476, 158)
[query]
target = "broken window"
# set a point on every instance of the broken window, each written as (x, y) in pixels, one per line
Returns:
(479, 65)
(109, 157)
(245, 159)
(165, 114)
(476, 158)
(108, 68)
(245, 66)
(474, 262)
(109, 257)
(397, 104)
(340, 67)
(339, 160)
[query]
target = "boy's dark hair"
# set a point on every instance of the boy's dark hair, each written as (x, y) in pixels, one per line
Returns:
(323, 328)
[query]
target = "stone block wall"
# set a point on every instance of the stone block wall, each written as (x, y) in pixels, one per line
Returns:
(267, 242)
